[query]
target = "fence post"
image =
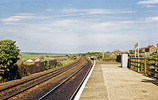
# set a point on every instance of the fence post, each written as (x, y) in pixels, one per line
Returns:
(129, 62)
(135, 64)
(141, 65)
(156, 68)
(145, 66)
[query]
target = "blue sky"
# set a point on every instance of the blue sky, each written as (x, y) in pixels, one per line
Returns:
(75, 26)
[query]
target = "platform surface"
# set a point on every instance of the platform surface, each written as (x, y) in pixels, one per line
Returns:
(109, 81)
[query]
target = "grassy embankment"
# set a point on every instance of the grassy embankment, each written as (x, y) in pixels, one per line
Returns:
(47, 56)
(25, 56)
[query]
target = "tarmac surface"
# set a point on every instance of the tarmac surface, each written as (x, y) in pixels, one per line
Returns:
(109, 81)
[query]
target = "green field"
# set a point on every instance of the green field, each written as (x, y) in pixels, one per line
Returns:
(25, 56)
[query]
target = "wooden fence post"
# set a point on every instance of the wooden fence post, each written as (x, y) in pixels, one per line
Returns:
(138, 64)
(141, 65)
(135, 64)
(156, 68)
(145, 66)
(132, 67)
(129, 62)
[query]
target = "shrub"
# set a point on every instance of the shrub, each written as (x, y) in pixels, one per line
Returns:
(59, 64)
(8, 57)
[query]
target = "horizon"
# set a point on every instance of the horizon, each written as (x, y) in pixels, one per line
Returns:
(79, 26)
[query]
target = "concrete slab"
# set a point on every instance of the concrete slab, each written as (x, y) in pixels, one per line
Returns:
(125, 84)
(109, 81)
(95, 88)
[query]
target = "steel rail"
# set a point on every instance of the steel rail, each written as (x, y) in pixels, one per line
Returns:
(37, 76)
(60, 69)
(44, 96)
(72, 97)
(31, 86)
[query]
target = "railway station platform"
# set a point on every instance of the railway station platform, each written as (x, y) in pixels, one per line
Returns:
(109, 81)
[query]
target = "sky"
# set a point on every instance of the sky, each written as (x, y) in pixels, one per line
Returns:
(78, 26)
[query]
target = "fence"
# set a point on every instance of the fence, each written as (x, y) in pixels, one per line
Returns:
(146, 66)
(21, 69)
(25, 70)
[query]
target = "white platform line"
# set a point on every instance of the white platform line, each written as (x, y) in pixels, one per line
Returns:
(106, 85)
(83, 85)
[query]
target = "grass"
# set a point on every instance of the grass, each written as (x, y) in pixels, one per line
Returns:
(25, 56)
(67, 62)
(47, 56)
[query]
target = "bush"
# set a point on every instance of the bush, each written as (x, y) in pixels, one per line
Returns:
(100, 56)
(153, 55)
(59, 64)
(8, 57)
(46, 65)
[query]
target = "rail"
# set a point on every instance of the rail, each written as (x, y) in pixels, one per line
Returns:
(10, 90)
(146, 66)
(79, 86)
(88, 64)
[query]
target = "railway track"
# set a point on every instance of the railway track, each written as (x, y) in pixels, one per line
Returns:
(67, 89)
(12, 90)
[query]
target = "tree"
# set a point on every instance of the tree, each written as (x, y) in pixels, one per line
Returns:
(8, 57)
(99, 56)
(131, 51)
(107, 56)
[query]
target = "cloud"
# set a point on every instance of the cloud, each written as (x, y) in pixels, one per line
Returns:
(96, 11)
(26, 14)
(63, 31)
(149, 6)
(66, 22)
(77, 35)
(22, 16)
(150, 19)
(148, 2)
(18, 18)
(49, 10)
